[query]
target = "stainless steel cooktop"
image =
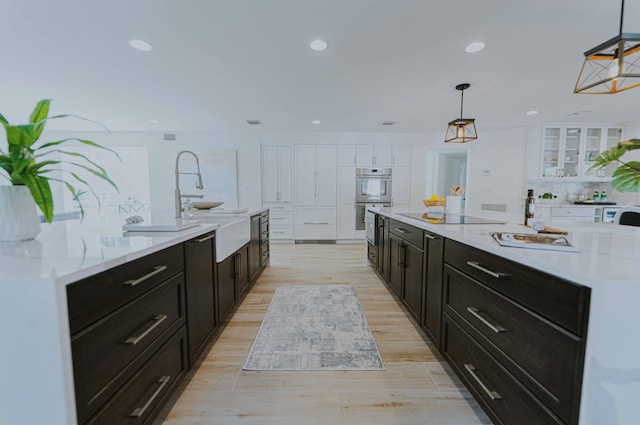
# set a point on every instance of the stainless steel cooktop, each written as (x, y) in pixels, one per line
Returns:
(442, 218)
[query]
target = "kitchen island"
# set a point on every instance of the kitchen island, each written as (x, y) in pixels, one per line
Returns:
(604, 281)
(63, 296)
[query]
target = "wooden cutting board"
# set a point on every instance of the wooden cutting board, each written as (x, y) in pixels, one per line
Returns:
(550, 230)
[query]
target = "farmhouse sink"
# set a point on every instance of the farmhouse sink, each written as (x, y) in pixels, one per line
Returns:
(233, 234)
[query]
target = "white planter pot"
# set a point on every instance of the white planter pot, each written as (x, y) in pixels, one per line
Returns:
(19, 219)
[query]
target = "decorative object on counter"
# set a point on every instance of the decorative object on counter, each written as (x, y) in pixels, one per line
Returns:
(529, 206)
(612, 66)
(454, 204)
(626, 178)
(461, 130)
(30, 165)
(434, 201)
(596, 196)
(535, 241)
(204, 205)
(582, 197)
(603, 196)
(134, 219)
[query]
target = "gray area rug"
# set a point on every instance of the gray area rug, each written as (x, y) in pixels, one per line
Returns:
(314, 327)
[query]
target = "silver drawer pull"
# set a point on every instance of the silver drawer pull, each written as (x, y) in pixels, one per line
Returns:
(156, 270)
(477, 265)
(136, 339)
(206, 238)
(428, 236)
(277, 218)
(315, 222)
(401, 230)
(139, 411)
(496, 328)
(472, 370)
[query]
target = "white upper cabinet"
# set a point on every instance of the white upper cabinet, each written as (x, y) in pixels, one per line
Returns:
(315, 175)
(401, 156)
(346, 155)
(277, 174)
(566, 152)
(374, 156)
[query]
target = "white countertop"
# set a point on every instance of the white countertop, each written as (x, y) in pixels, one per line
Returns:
(608, 252)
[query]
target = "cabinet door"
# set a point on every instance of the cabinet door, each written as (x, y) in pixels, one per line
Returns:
(305, 175)
(270, 174)
(326, 160)
(285, 174)
(412, 292)
(242, 268)
(592, 147)
(364, 156)
(226, 287)
(551, 152)
(400, 185)
(346, 221)
(199, 285)
(346, 185)
(434, 264)
(571, 153)
(613, 136)
(382, 156)
(401, 156)
(255, 256)
(346, 155)
(396, 266)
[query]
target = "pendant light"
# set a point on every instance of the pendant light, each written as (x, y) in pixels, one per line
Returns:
(461, 130)
(612, 66)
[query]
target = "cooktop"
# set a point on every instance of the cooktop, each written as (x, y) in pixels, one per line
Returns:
(441, 218)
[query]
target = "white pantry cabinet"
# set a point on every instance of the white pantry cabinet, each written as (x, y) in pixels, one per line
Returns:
(346, 155)
(346, 225)
(401, 186)
(277, 174)
(567, 151)
(401, 156)
(374, 156)
(315, 175)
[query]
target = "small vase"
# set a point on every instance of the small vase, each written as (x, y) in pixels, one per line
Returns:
(19, 219)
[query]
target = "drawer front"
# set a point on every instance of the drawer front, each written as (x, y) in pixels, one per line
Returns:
(547, 359)
(562, 302)
(281, 232)
(320, 231)
(572, 212)
(107, 353)
(142, 397)
(95, 297)
(316, 216)
(280, 207)
(494, 387)
(278, 219)
(409, 233)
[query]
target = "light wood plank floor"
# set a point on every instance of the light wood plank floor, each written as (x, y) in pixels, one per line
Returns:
(417, 386)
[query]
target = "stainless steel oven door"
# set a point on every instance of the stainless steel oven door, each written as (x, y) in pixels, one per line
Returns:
(373, 189)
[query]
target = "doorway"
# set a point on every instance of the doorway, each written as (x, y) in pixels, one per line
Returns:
(445, 168)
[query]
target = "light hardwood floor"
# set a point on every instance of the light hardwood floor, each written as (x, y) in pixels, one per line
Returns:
(417, 386)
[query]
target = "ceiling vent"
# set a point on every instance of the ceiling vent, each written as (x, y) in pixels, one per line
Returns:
(253, 122)
(169, 136)
(389, 122)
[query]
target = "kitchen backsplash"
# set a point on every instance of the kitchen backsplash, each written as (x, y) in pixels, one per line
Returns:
(569, 191)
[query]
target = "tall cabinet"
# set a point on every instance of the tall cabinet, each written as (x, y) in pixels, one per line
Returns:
(315, 172)
(277, 189)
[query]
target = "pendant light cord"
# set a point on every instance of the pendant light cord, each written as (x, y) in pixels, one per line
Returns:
(621, 16)
(462, 99)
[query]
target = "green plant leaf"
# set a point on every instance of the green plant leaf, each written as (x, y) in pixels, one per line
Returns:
(85, 142)
(78, 155)
(39, 116)
(41, 192)
(627, 177)
(631, 144)
(607, 157)
(96, 173)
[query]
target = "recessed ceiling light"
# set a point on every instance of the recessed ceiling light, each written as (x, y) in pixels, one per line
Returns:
(154, 121)
(141, 45)
(253, 122)
(531, 113)
(316, 122)
(474, 47)
(318, 45)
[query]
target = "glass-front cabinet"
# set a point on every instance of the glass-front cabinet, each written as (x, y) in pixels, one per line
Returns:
(567, 152)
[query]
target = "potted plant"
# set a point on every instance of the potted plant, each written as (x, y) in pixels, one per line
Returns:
(29, 167)
(626, 178)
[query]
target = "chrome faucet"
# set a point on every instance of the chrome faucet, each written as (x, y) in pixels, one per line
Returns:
(178, 195)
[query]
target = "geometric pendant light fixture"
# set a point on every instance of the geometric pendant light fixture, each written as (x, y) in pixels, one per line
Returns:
(461, 130)
(612, 66)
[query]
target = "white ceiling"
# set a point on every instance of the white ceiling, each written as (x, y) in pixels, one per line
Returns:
(217, 63)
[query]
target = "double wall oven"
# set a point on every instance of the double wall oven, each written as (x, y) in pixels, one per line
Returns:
(373, 188)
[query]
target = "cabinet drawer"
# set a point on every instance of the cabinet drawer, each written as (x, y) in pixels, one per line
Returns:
(319, 231)
(278, 219)
(546, 358)
(95, 297)
(562, 302)
(141, 398)
(107, 353)
(572, 212)
(281, 232)
(506, 400)
(409, 233)
(316, 216)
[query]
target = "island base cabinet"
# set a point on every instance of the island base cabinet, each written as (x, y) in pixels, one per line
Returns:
(504, 399)
(226, 286)
(142, 398)
(434, 263)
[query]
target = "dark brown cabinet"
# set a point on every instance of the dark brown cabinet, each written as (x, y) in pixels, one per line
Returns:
(259, 245)
(199, 287)
(120, 320)
(242, 269)
(523, 332)
(226, 286)
(406, 265)
(434, 263)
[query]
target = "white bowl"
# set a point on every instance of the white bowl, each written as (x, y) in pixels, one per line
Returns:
(206, 205)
